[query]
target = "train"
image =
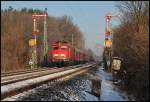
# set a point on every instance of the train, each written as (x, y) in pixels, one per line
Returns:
(62, 53)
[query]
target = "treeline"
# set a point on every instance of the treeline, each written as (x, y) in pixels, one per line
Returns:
(16, 31)
(131, 42)
(30, 10)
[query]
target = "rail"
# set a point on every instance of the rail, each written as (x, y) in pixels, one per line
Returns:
(27, 81)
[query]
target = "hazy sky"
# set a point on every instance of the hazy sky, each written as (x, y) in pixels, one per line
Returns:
(89, 16)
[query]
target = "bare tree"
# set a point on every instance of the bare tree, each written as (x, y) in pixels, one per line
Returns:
(131, 41)
(16, 29)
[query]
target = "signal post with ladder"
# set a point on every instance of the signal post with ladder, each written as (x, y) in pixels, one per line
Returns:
(108, 50)
(33, 42)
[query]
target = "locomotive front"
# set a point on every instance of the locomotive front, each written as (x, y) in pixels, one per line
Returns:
(60, 53)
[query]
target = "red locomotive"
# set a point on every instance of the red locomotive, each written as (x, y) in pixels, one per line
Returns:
(63, 53)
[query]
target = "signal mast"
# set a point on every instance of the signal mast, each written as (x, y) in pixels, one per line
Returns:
(108, 18)
(34, 33)
(107, 30)
(109, 37)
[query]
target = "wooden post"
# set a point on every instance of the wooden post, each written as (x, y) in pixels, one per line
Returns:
(96, 87)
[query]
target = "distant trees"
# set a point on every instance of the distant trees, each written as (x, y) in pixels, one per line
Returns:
(30, 10)
(10, 9)
(16, 29)
(24, 9)
(131, 42)
(14, 42)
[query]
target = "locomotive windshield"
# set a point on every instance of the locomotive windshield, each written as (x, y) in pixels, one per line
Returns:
(60, 47)
(56, 47)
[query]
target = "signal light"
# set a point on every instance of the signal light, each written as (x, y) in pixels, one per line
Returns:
(32, 42)
(108, 43)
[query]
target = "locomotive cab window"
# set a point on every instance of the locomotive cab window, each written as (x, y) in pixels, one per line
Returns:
(55, 48)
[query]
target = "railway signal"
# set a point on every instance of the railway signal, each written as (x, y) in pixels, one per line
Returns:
(108, 18)
(108, 43)
(32, 42)
(108, 51)
(34, 26)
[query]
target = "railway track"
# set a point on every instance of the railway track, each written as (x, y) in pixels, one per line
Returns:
(7, 78)
(28, 80)
(24, 71)
(20, 77)
(29, 71)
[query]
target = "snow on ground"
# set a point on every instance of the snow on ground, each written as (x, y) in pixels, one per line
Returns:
(76, 89)
(110, 92)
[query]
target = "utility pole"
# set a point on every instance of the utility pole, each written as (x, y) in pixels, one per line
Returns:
(45, 39)
(72, 39)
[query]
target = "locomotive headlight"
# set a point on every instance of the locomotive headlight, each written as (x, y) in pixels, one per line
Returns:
(63, 55)
(55, 55)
